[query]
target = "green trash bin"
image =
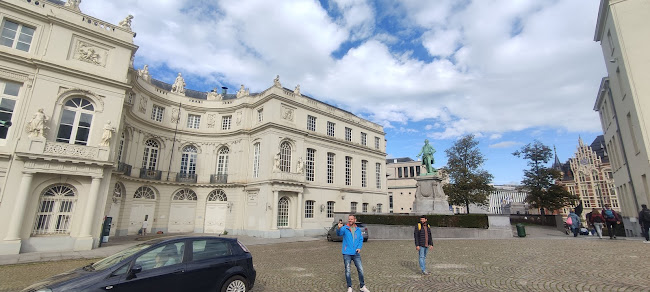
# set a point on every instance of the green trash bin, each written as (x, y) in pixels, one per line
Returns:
(521, 230)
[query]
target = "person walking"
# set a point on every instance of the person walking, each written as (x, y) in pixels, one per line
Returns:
(351, 250)
(145, 224)
(644, 219)
(423, 241)
(575, 223)
(611, 219)
(597, 220)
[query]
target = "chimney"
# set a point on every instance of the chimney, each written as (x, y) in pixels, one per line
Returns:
(224, 90)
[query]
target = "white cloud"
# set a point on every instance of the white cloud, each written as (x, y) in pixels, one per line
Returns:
(495, 136)
(505, 144)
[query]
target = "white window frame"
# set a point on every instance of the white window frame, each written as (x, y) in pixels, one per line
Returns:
(76, 106)
(222, 161)
(193, 121)
(378, 174)
(150, 156)
(379, 208)
(348, 134)
(364, 167)
(309, 208)
(188, 160)
(330, 167)
(8, 99)
(330, 209)
(376, 142)
(55, 210)
(311, 123)
(364, 139)
(364, 207)
(309, 164)
(226, 122)
(120, 148)
(217, 195)
(157, 113)
(348, 170)
(260, 115)
(353, 207)
(283, 212)
(256, 160)
(285, 157)
(330, 128)
(16, 42)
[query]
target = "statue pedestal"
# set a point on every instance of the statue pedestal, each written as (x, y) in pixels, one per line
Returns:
(429, 196)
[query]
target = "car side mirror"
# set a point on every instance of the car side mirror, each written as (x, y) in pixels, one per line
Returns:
(136, 269)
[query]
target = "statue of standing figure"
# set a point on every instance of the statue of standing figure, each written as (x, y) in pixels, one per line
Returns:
(427, 157)
(73, 4)
(179, 85)
(276, 81)
(107, 135)
(36, 127)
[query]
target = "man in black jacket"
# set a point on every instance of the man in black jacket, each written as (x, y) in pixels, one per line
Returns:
(423, 241)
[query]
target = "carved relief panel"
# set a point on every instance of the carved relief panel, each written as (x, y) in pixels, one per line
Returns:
(88, 51)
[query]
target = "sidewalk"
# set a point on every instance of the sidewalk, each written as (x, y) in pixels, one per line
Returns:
(117, 244)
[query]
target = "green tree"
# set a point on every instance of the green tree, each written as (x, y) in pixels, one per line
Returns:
(539, 180)
(469, 184)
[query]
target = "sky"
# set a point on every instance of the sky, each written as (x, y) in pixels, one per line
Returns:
(508, 72)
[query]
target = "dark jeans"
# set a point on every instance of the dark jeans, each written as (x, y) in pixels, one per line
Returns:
(611, 228)
(357, 262)
(575, 231)
(645, 228)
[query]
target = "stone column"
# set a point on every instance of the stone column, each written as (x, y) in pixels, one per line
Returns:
(19, 207)
(299, 213)
(274, 211)
(91, 205)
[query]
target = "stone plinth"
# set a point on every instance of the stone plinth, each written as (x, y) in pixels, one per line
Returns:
(429, 196)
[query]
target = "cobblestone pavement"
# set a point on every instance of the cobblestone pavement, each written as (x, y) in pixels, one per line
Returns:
(518, 264)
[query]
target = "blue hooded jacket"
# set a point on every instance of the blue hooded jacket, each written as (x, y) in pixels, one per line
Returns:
(350, 245)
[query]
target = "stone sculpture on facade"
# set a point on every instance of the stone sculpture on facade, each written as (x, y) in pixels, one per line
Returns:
(176, 115)
(179, 85)
(36, 127)
(276, 81)
(300, 166)
(213, 95)
(297, 90)
(88, 54)
(427, 157)
(143, 105)
(276, 162)
(107, 135)
(144, 73)
(73, 4)
(243, 91)
(126, 23)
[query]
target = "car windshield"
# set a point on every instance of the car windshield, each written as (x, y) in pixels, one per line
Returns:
(112, 260)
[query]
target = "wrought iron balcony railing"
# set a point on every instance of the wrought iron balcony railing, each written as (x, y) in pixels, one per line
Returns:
(186, 177)
(123, 168)
(218, 178)
(150, 174)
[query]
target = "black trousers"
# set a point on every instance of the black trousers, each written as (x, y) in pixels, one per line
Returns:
(611, 228)
(645, 228)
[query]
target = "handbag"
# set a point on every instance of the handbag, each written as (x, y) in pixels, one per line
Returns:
(569, 221)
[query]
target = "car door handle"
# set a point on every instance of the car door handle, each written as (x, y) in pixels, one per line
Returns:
(108, 287)
(179, 272)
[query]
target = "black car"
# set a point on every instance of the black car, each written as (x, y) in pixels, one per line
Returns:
(332, 236)
(165, 264)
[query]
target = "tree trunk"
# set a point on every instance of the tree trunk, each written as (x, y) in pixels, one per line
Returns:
(467, 206)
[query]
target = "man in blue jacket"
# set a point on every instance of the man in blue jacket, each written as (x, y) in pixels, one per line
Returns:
(351, 250)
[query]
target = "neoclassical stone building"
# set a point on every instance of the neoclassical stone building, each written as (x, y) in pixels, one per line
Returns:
(91, 137)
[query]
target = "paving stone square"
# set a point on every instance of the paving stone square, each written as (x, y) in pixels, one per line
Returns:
(518, 264)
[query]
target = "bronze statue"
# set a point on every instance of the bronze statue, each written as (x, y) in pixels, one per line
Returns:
(427, 157)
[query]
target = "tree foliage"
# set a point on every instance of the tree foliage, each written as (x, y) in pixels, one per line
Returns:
(539, 180)
(469, 184)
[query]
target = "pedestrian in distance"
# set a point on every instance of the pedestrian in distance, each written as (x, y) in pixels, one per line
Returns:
(574, 222)
(597, 220)
(351, 250)
(612, 219)
(590, 226)
(145, 224)
(644, 219)
(423, 242)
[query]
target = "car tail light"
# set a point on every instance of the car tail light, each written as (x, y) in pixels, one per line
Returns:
(366, 229)
(243, 247)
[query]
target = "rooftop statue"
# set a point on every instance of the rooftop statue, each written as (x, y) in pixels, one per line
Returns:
(144, 73)
(73, 4)
(427, 157)
(213, 95)
(242, 91)
(297, 90)
(126, 23)
(179, 85)
(276, 81)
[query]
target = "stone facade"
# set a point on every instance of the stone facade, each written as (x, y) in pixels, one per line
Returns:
(622, 100)
(112, 141)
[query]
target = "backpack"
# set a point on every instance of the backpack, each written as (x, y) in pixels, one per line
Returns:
(645, 215)
(609, 214)
(598, 219)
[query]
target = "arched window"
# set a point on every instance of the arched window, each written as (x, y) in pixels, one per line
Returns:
(285, 157)
(76, 118)
(120, 148)
(188, 160)
(117, 193)
(217, 196)
(150, 157)
(144, 193)
(55, 209)
(184, 195)
(283, 212)
(222, 162)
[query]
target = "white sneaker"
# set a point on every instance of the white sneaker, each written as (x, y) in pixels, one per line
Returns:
(364, 289)
(645, 241)
(349, 289)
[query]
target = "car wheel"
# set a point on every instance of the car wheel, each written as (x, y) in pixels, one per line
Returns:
(329, 237)
(235, 284)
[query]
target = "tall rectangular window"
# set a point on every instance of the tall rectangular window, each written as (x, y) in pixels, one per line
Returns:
(330, 168)
(353, 207)
(379, 208)
(330, 209)
(364, 167)
(309, 209)
(376, 142)
(330, 129)
(8, 97)
(16, 35)
(348, 170)
(378, 174)
(193, 121)
(311, 123)
(309, 164)
(157, 113)
(632, 134)
(390, 203)
(225, 122)
(348, 134)
(260, 115)
(364, 207)
(364, 139)
(256, 160)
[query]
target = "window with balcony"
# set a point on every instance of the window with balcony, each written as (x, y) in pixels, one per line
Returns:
(16, 35)
(157, 113)
(222, 163)
(311, 123)
(150, 157)
(8, 97)
(193, 121)
(76, 118)
(285, 157)
(225, 122)
(188, 162)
